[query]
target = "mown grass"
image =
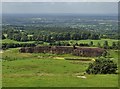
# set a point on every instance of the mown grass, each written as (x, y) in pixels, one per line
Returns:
(45, 70)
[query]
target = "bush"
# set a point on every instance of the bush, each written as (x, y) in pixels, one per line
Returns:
(102, 66)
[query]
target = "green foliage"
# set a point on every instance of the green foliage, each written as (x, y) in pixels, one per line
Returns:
(3, 37)
(57, 34)
(24, 38)
(15, 45)
(102, 66)
(91, 43)
(114, 45)
(105, 45)
(98, 44)
(105, 54)
(17, 37)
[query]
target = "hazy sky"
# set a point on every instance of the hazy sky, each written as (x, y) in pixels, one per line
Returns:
(61, 7)
(60, 0)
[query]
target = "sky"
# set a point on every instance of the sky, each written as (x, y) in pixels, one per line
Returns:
(60, 7)
(59, 0)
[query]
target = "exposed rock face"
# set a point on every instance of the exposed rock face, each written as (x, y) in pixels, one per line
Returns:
(79, 51)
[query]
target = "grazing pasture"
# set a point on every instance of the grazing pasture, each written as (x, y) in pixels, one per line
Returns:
(47, 70)
(72, 46)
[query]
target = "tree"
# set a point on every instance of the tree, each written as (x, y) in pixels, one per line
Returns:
(74, 47)
(118, 45)
(17, 37)
(10, 35)
(48, 39)
(105, 54)
(84, 36)
(98, 44)
(76, 44)
(102, 66)
(67, 36)
(24, 37)
(91, 43)
(95, 36)
(3, 37)
(105, 45)
(30, 38)
(114, 46)
(58, 43)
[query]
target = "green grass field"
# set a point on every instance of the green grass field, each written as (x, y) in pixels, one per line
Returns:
(50, 70)
(95, 42)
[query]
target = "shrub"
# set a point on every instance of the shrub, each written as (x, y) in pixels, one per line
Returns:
(102, 66)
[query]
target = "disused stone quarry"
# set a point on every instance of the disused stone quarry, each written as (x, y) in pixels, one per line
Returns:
(78, 51)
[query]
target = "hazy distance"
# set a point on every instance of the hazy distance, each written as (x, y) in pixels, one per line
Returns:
(99, 8)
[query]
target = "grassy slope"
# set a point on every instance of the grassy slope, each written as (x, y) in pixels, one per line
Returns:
(42, 70)
(51, 73)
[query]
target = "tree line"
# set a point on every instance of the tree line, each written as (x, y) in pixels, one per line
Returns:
(15, 45)
(115, 45)
(47, 36)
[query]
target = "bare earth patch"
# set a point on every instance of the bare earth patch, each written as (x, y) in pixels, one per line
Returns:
(58, 58)
(83, 77)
